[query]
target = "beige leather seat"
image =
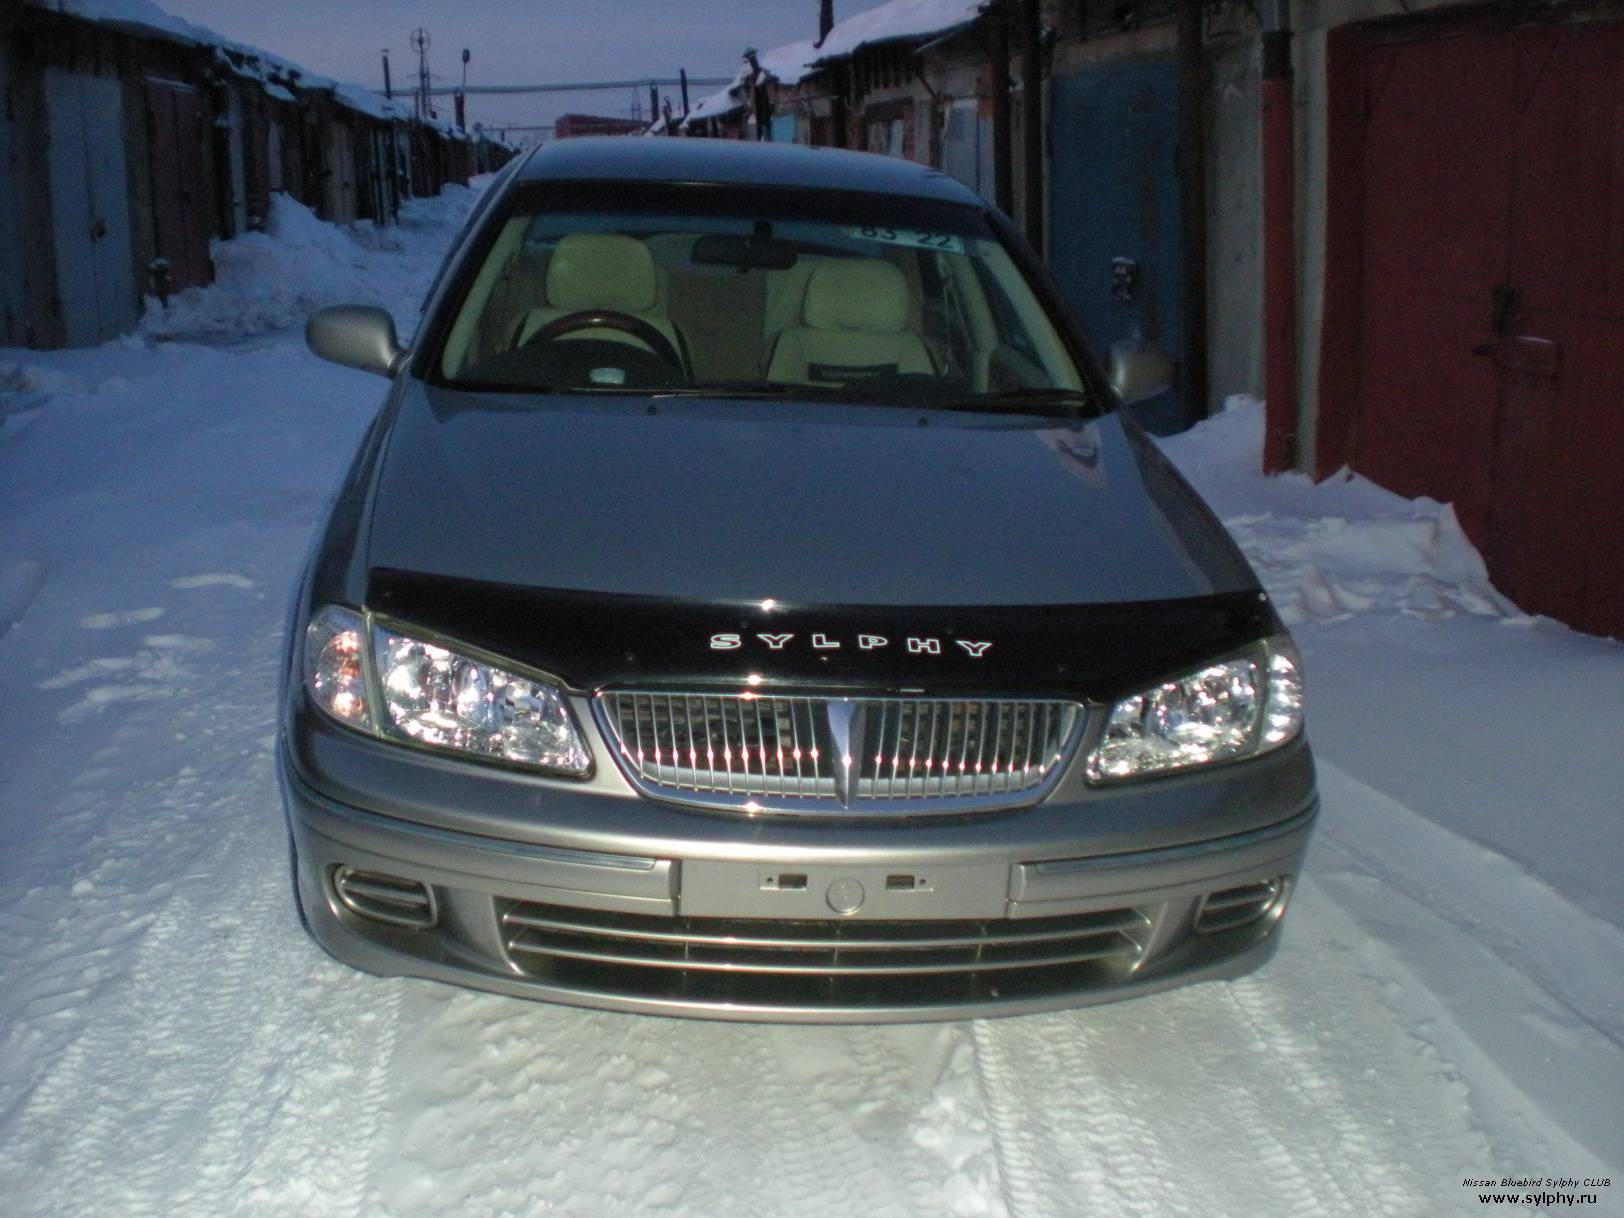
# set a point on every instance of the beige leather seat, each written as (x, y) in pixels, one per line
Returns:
(602, 271)
(854, 323)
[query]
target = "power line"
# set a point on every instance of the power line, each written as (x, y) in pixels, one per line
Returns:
(584, 87)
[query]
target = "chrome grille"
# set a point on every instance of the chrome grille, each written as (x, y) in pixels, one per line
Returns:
(918, 749)
(876, 962)
(889, 756)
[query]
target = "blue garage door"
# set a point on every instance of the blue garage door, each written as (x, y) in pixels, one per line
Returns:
(90, 206)
(1115, 242)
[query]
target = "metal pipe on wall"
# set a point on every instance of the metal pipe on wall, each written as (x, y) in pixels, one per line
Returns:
(1279, 156)
(1192, 170)
(1032, 120)
(1002, 176)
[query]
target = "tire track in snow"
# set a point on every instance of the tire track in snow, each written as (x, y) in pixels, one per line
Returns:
(1292, 1091)
(1460, 923)
(500, 1106)
(1113, 1159)
(202, 1027)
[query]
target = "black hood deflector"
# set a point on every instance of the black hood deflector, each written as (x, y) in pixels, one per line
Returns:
(593, 640)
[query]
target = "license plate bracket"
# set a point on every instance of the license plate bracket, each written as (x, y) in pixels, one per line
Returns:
(708, 888)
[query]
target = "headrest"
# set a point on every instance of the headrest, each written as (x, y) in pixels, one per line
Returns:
(856, 294)
(601, 271)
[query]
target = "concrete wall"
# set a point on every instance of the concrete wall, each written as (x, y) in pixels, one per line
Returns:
(1234, 220)
(1235, 217)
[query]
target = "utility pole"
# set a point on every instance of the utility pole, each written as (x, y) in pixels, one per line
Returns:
(388, 91)
(760, 102)
(462, 93)
(420, 44)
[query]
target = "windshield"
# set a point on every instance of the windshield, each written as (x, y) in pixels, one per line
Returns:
(873, 299)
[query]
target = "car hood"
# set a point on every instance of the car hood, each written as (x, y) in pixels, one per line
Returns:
(586, 535)
(705, 500)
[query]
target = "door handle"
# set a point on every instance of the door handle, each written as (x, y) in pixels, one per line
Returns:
(1507, 300)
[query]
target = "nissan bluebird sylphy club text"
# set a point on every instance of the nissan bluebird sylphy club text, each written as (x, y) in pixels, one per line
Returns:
(749, 602)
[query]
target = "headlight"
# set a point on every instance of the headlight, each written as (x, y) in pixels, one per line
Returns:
(434, 695)
(335, 666)
(1234, 708)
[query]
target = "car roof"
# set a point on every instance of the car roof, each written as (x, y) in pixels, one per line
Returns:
(737, 162)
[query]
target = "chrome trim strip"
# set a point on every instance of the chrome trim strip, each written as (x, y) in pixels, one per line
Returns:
(836, 968)
(472, 841)
(1168, 854)
(1010, 932)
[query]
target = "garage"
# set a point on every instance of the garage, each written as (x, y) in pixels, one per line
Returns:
(1473, 335)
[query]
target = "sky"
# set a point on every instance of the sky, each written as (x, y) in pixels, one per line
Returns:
(517, 42)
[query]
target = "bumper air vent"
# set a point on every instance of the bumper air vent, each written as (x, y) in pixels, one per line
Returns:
(386, 898)
(1232, 907)
(816, 963)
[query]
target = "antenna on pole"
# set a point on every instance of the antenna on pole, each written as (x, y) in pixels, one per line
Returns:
(420, 44)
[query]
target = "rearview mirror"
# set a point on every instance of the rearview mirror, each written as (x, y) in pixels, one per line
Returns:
(1139, 370)
(357, 337)
(753, 253)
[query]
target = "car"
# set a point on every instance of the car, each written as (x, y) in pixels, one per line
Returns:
(751, 602)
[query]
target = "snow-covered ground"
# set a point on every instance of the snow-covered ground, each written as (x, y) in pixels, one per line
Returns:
(1448, 1002)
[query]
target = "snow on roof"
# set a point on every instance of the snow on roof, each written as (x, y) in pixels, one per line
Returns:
(898, 19)
(250, 62)
(789, 64)
(363, 99)
(720, 103)
(786, 64)
(139, 16)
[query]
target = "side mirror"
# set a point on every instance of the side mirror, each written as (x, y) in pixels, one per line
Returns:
(1139, 370)
(357, 337)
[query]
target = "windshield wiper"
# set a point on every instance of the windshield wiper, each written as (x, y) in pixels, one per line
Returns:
(1066, 402)
(750, 389)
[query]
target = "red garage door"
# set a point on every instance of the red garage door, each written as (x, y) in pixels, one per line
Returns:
(1474, 343)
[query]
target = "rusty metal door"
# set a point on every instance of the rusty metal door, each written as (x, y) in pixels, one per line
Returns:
(176, 140)
(1491, 346)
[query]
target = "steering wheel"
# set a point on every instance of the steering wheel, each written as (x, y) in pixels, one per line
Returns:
(611, 319)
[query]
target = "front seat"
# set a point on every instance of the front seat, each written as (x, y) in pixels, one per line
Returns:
(609, 271)
(854, 324)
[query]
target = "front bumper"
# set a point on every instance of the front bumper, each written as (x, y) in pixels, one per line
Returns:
(590, 895)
